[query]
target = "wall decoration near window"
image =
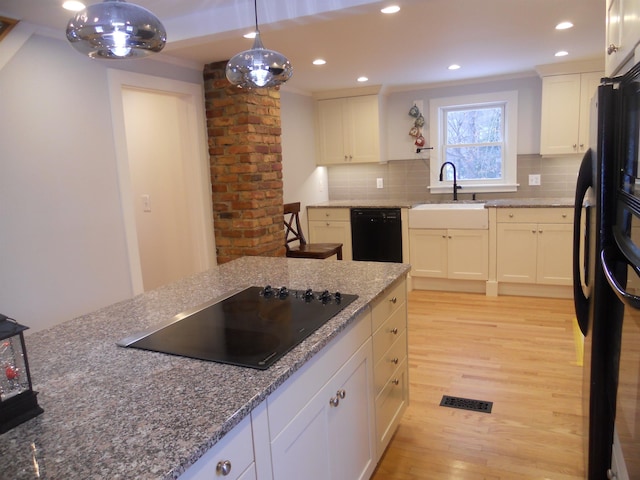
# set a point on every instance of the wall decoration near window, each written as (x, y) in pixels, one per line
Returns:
(416, 129)
(6, 24)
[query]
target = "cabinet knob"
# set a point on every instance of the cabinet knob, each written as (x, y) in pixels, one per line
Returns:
(564, 215)
(223, 467)
(540, 231)
(341, 393)
(575, 145)
(394, 300)
(511, 215)
(611, 475)
(334, 401)
(394, 360)
(394, 331)
(612, 48)
(395, 381)
(533, 231)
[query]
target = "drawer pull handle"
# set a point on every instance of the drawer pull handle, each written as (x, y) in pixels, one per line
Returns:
(395, 381)
(394, 300)
(394, 331)
(223, 467)
(395, 360)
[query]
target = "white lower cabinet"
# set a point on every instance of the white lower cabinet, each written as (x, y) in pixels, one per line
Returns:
(461, 254)
(330, 438)
(331, 225)
(535, 246)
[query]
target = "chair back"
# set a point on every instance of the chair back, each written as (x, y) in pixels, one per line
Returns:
(292, 224)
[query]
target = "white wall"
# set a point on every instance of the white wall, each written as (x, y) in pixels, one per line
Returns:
(303, 180)
(400, 143)
(62, 240)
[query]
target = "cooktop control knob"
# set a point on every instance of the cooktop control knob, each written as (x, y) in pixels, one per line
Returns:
(267, 291)
(283, 292)
(338, 297)
(308, 295)
(325, 297)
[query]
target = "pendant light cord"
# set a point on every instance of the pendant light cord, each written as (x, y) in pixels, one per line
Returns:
(255, 9)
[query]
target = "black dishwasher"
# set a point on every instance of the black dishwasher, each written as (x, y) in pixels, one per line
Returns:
(376, 234)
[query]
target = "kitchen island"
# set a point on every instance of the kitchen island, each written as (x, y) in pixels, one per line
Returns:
(117, 413)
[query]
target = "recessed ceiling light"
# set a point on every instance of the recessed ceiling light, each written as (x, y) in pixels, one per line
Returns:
(454, 67)
(73, 6)
(562, 53)
(391, 9)
(363, 79)
(250, 35)
(319, 61)
(564, 25)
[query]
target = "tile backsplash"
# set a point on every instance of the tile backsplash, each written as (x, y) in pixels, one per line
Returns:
(408, 179)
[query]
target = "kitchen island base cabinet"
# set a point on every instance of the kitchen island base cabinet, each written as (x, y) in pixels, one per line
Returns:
(330, 438)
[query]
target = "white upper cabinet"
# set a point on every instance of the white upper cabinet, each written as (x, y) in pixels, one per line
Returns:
(349, 130)
(566, 106)
(623, 34)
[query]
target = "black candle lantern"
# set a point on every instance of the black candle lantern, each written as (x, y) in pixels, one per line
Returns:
(18, 401)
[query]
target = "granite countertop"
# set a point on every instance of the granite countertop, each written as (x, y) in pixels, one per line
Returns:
(497, 203)
(530, 202)
(364, 204)
(117, 413)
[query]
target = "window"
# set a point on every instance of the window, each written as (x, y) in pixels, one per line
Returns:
(478, 134)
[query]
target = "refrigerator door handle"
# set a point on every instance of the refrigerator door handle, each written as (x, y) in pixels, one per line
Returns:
(624, 296)
(580, 273)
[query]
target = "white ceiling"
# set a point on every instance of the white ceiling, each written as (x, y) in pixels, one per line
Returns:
(412, 48)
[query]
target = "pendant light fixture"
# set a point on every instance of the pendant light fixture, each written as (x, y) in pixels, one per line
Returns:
(258, 67)
(116, 29)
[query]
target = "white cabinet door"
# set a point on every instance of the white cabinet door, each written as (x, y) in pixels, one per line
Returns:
(364, 134)
(560, 114)
(348, 130)
(331, 132)
(566, 110)
(468, 254)
(623, 33)
(555, 252)
(428, 252)
(331, 438)
(517, 247)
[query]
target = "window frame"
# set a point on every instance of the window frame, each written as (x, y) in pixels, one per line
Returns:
(437, 109)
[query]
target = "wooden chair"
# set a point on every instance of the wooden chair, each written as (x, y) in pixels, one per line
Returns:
(294, 234)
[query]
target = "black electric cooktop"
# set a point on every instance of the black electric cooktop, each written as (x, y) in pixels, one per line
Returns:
(253, 328)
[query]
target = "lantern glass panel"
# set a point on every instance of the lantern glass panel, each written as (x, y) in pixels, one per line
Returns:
(13, 378)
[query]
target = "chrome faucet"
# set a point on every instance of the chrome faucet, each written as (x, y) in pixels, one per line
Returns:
(455, 184)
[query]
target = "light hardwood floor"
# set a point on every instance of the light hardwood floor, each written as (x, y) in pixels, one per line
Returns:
(516, 352)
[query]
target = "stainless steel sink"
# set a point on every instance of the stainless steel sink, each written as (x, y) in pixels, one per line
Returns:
(449, 215)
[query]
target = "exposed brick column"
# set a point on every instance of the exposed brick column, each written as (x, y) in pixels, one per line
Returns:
(246, 167)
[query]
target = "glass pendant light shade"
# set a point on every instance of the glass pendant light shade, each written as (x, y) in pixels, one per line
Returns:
(258, 67)
(116, 29)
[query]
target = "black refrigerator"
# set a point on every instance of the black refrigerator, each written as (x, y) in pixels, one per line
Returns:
(607, 282)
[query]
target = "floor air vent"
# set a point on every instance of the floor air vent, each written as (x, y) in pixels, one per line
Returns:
(466, 404)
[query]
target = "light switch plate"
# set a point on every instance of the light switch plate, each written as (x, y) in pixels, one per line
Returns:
(534, 179)
(379, 183)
